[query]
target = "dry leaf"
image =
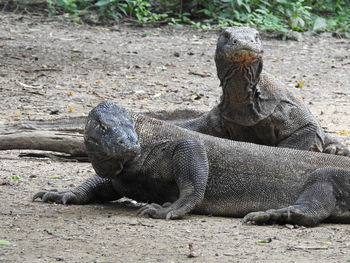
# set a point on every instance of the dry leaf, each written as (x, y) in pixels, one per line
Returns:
(344, 133)
(300, 84)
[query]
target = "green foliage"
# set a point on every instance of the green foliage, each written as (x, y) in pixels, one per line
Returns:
(275, 15)
(107, 9)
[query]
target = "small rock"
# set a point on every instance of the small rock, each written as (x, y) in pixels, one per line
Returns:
(133, 223)
(289, 226)
(54, 112)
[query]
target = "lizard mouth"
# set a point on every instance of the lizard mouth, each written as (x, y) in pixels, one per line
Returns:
(245, 57)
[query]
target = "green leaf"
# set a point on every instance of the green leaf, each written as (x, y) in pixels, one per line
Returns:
(102, 3)
(15, 177)
(4, 242)
(300, 84)
(79, 21)
(297, 23)
(282, 1)
(247, 7)
(265, 241)
(262, 11)
(320, 24)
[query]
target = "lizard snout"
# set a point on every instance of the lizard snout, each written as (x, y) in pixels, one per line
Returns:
(124, 148)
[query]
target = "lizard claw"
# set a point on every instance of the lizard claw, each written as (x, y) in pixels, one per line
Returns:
(336, 148)
(288, 215)
(148, 210)
(158, 211)
(262, 217)
(53, 196)
(40, 194)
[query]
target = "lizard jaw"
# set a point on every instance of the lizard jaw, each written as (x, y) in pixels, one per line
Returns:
(245, 57)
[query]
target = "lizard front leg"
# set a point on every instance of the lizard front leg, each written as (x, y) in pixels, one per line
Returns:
(301, 139)
(332, 146)
(296, 128)
(93, 189)
(190, 171)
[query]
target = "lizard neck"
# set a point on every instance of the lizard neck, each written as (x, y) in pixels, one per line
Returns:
(239, 83)
(106, 166)
(241, 99)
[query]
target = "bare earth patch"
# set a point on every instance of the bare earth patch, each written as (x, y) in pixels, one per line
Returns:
(50, 68)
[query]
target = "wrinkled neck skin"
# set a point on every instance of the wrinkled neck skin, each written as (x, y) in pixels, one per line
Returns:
(106, 166)
(241, 101)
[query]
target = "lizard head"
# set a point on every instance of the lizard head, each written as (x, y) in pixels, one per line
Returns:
(240, 45)
(110, 138)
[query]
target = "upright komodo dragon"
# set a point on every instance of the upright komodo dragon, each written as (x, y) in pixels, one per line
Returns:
(253, 107)
(153, 161)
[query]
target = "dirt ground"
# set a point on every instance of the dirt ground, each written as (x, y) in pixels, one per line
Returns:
(52, 68)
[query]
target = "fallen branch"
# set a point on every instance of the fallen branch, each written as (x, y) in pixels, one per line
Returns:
(63, 135)
(69, 143)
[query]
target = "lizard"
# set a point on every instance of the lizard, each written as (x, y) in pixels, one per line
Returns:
(253, 107)
(177, 171)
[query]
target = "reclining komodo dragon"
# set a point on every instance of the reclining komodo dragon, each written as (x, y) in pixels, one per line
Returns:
(152, 161)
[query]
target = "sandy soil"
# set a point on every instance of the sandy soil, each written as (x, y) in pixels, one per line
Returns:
(50, 68)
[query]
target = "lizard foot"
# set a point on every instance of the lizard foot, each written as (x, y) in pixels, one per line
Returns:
(53, 196)
(336, 148)
(288, 215)
(159, 211)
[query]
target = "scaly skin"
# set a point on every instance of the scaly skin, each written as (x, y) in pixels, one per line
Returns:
(256, 108)
(152, 161)
(253, 107)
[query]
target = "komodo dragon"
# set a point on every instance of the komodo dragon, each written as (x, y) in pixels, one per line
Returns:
(149, 160)
(254, 107)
